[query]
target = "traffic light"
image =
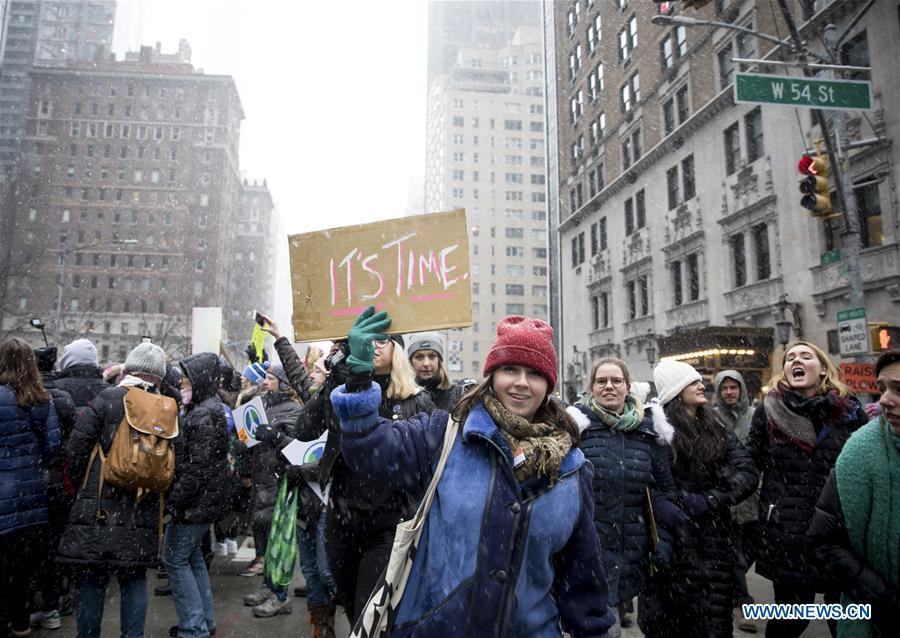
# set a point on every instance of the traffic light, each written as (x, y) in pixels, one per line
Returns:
(883, 337)
(815, 187)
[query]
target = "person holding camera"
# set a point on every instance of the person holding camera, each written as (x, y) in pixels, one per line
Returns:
(361, 514)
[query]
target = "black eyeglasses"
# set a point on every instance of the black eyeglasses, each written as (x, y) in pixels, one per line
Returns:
(617, 382)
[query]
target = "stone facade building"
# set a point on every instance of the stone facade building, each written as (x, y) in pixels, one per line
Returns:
(677, 209)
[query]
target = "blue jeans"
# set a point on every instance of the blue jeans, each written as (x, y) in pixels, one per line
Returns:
(314, 561)
(92, 592)
(191, 589)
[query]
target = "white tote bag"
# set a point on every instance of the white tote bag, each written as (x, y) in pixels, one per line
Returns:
(378, 615)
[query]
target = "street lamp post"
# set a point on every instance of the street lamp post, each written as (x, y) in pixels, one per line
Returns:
(63, 257)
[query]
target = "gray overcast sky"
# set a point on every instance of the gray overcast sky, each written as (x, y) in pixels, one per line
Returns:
(333, 93)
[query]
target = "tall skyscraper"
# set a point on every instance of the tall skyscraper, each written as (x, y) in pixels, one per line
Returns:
(485, 153)
(457, 24)
(127, 191)
(43, 33)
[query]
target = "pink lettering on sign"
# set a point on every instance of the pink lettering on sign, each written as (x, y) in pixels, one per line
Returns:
(415, 270)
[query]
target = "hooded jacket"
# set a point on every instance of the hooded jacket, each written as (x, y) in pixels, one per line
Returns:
(496, 557)
(29, 443)
(126, 536)
(202, 487)
(82, 382)
(626, 464)
(737, 417)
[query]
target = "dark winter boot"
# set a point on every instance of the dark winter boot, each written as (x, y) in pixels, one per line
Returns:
(322, 616)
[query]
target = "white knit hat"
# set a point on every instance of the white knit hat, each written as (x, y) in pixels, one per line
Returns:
(671, 377)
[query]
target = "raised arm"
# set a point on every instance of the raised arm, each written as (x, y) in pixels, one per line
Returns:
(399, 453)
(294, 369)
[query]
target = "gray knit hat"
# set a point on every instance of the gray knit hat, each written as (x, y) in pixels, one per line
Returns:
(80, 352)
(425, 341)
(147, 359)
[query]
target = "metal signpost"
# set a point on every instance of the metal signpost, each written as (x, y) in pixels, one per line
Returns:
(853, 332)
(846, 95)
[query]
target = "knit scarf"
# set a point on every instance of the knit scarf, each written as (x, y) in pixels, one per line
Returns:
(808, 420)
(544, 445)
(868, 482)
(631, 417)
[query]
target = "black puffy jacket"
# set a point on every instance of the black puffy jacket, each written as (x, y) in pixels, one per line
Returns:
(696, 598)
(447, 399)
(127, 536)
(60, 485)
(82, 382)
(267, 463)
(202, 488)
(792, 480)
(626, 464)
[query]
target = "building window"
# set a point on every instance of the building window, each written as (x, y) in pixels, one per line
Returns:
(726, 66)
(516, 290)
(739, 260)
(630, 94)
(677, 292)
(644, 290)
(628, 39)
(732, 149)
(672, 187)
(687, 178)
(754, 134)
(693, 271)
(578, 250)
(632, 300)
(761, 247)
(868, 208)
(856, 53)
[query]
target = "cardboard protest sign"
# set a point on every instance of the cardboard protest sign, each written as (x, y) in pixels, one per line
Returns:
(206, 330)
(247, 418)
(416, 268)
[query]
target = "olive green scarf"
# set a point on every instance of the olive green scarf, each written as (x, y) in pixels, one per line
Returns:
(543, 444)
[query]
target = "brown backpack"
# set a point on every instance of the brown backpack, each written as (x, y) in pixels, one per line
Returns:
(141, 457)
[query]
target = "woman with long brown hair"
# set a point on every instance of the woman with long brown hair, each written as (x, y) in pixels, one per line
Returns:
(508, 546)
(712, 472)
(29, 444)
(796, 435)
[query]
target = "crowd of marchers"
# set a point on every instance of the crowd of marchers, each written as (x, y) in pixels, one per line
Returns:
(537, 519)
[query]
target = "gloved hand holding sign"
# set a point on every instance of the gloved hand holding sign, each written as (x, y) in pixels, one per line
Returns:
(368, 327)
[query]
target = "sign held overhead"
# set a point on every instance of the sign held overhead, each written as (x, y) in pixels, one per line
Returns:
(416, 268)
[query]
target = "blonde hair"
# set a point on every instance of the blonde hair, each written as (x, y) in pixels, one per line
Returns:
(403, 377)
(831, 380)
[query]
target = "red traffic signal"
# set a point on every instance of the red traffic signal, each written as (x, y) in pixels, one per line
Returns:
(815, 187)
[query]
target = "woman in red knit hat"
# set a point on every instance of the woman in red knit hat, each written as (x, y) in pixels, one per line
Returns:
(509, 545)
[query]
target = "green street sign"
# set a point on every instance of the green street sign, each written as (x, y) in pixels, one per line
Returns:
(844, 95)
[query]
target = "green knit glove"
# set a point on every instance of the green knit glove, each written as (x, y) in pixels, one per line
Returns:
(368, 327)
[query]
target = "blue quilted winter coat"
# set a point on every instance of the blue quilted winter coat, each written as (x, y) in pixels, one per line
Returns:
(497, 557)
(29, 444)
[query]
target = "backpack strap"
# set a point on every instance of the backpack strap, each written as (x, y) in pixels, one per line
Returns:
(97, 452)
